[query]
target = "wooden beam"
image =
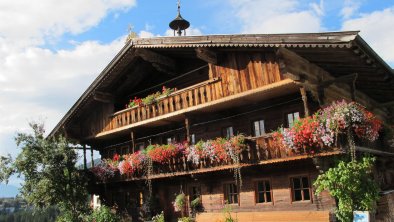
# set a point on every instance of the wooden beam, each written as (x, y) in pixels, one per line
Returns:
(292, 64)
(84, 157)
(91, 156)
(132, 141)
(103, 97)
(187, 126)
(160, 62)
(305, 100)
(207, 55)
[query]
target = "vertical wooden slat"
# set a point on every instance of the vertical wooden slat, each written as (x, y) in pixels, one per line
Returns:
(208, 92)
(190, 94)
(184, 100)
(178, 105)
(196, 97)
(171, 101)
(133, 115)
(202, 94)
(160, 108)
(138, 114)
(166, 105)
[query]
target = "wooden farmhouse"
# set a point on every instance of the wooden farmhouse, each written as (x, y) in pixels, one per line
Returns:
(240, 89)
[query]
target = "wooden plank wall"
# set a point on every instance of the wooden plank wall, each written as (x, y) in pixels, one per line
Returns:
(96, 120)
(241, 71)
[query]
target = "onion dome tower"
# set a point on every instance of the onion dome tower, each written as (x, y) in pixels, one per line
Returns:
(179, 24)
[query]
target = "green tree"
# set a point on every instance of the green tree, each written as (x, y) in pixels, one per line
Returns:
(48, 166)
(352, 185)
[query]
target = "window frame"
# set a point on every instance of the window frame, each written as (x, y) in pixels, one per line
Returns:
(256, 198)
(226, 194)
(294, 119)
(224, 131)
(254, 129)
(302, 188)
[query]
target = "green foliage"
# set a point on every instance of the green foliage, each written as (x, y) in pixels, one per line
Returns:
(180, 201)
(185, 219)
(196, 203)
(159, 217)
(48, 166)
(103, 214)
(5, 168)
(352, 185)
(29, 215)
(227, 213)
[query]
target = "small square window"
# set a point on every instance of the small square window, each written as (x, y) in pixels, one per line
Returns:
(300, 188)
(263, 192)
(231, 193)
(258, 128)
(292, 117)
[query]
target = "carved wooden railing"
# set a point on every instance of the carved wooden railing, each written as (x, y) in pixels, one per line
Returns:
(257, 149)
(192, 96)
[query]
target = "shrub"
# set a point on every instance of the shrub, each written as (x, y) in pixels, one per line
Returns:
(103, 214)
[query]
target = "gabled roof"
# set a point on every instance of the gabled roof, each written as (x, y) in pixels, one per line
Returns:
(334, 51)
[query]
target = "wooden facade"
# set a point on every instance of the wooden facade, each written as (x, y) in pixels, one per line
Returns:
(240, 84)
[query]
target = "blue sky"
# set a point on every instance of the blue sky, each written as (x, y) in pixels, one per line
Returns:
(50, 52)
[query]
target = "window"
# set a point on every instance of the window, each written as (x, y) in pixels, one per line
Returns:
(139, 146)
(231, 193)
(263, 191)
(300, 188)
(292, 117)
(258, 128)
(169, 140)
(228, 132)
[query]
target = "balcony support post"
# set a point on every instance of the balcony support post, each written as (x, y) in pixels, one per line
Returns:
(91, 156)
(132, 141)
(187, 126)
(305, 100)
(84, 157)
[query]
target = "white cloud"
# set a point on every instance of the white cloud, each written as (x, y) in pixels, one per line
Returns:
(41, 83)
(28, 22)
(36, 82)
(377, 28)
(350, 8)
(286, 16)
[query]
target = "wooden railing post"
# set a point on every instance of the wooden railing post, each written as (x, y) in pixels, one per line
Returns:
(305, 100)
(187, 126)
(91, 156)
(84, 157)
(132, 142)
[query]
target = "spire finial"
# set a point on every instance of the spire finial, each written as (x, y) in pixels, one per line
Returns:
(179, 24)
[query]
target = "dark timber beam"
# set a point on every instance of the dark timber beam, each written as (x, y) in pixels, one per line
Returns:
(91, 156)
(160, 62)
(132, 142)
(103, 97)
(207, 55)
(84, 157)
(305, 100)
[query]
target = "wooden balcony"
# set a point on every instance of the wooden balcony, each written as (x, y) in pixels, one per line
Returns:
(259, 151)
(206, 96)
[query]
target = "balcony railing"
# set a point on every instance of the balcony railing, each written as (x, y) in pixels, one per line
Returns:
(259, 150)
(210, 94)
(192, 96)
